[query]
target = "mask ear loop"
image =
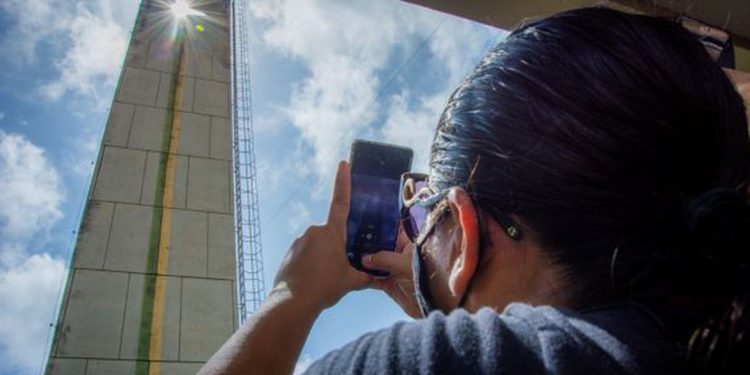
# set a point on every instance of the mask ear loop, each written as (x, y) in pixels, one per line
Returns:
(420, 277)
(421, 283)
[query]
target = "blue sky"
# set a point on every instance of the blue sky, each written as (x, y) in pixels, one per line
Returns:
(324, 73)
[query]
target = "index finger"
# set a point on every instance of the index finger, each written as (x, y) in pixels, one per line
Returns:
(341, 190)
(402, 240)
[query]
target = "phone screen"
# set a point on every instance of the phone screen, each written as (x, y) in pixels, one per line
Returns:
(373, 221)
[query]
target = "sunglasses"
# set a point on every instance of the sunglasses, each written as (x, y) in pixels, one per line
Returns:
(417, 200)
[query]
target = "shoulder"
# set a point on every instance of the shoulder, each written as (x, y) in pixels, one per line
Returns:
(621, 338)
(522, 339)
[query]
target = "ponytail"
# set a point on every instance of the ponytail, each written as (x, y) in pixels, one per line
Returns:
(719, 222)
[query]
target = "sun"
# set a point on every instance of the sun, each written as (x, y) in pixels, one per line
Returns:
(182, 9)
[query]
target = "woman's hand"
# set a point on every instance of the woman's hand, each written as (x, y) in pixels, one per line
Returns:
(314, 275)
(399, 285)
(315, 269)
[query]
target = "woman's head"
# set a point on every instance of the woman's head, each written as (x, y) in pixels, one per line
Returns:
(605, 134)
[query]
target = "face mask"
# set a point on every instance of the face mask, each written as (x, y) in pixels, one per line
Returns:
(421, 283)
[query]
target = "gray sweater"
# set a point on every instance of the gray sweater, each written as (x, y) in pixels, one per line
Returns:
(620, 339)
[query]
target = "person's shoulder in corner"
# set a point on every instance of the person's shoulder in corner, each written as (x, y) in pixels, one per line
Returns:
(617, 339)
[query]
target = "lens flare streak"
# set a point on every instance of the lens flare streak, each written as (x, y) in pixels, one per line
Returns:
(182, 9)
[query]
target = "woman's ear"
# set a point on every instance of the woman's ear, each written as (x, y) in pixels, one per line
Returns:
(467, 257)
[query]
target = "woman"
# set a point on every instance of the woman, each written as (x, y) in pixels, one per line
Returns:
(587, 213)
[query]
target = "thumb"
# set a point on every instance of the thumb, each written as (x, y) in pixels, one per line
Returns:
(398, 264)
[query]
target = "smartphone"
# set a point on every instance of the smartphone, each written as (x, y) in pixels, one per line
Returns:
(373, 221)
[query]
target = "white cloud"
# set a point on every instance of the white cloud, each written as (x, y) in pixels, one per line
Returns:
(346, 47)
(31, 194)
(33, 22)
(299, 215)
(85, 40)
(28, 297)
(411, 119)
(95, 56)
(270, 175)
(92, 62)
(31, 190)
(336, 42)
(80, 160)
(414, 126)
(78, 47)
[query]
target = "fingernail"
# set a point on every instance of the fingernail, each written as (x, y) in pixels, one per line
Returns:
(367, 259)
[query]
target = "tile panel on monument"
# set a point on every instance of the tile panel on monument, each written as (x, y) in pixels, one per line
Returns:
(162, 55)
(93, 320)
(151, 177)
(120, 174)
(221, 64)
(134, 332)
(199, 63)
(188, 243)
(206, 317)
(211, 98)
(129, 242)
(188, 91)
(221, 138)
(221, 261)
(105, 367)
(150, 126)
(208, 185)
(137, 53)
(213, 33)
(138, 86)
(170, 342)
(66, 366)
(194, 134)
(177, 368)
(180, 185)
(118, 128)
(166, 84)
(93, 235)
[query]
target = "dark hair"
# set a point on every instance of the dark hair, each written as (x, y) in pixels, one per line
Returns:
(624, 147)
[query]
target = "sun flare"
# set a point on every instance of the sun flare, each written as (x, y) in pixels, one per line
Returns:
(182, 9)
